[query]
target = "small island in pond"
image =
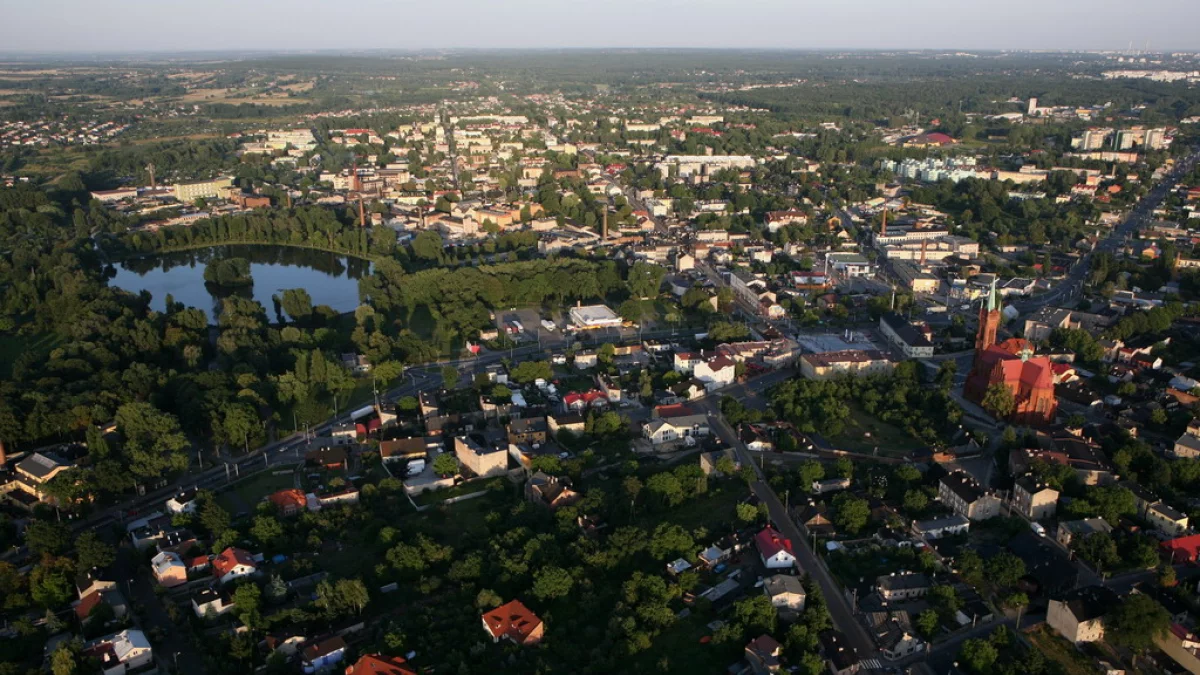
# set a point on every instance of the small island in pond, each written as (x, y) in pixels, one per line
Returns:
(228, 273)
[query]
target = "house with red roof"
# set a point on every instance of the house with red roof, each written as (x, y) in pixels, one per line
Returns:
(774, 549)
(289, 502)
(1182, 549)
(233, 563)
(514, 622)
(583, 400)
(378, 664)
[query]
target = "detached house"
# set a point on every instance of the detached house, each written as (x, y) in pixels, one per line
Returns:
(378, 664)
(671, 429)
(774, 549)
(322, 655)
(120, 652)
(514, 622)
(785, 591)
(169, 569)
(1079, 614)
(904, 586)
(232, 564)
(289, 502)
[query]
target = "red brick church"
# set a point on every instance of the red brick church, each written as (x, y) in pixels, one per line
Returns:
(1011, 362)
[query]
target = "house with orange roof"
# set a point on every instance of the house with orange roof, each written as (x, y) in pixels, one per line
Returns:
(233, 563)
(515, 622)
(378, 664)
(775, 549)
(289, 502)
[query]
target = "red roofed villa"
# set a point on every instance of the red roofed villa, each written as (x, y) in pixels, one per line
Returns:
(1183, 549)
(378, 664)
(775, 549)
(233, 563)
(515, 622)
(289, 502)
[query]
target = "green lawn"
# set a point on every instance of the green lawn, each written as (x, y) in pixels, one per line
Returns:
(679, 650)
(1061, 652)
(891, 441)
(436, 496)
(244, 496)
(13, 346)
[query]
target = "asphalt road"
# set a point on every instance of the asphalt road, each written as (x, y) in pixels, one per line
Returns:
(1070, 288)
(839, 609)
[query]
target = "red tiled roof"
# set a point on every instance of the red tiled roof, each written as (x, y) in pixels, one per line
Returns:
(378, 664)
(770, 542)
(290, 498)
(669, 411)
(231, 558)
(1183, 548)
(323, 648)
(88, 603)
(513, 621)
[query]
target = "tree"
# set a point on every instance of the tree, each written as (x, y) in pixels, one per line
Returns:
(1136, 621)
(999, 401)
(915, 502)
(850, 513)
(977, 655)
(343, 597)
(667, 487)
(248, 602)
(843, 467)
(1099, 549)
(63, 661)
(1004, 569)
(633, 488)
(445, 464)
(154, 443)
(726, 466)
(746, 513)
(50, 582)
(276, 589)
(449, 377)
(298, 304)
(214, 518)
(92, 553)
(670, 541)
(550, 583)
(970, 567)
(810, 472)
(267, 530)
(927, 622)
(1167, 577)
(756, 614)
(47, 538)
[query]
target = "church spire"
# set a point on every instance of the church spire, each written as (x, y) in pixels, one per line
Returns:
(989, 320)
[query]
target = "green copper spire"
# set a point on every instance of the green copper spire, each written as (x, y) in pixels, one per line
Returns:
(993, 301)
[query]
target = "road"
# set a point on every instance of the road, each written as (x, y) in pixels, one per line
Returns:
(288, 451)
(839, 609)
(1071, 287)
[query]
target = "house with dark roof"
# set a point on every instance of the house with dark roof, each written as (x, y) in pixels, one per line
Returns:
(1047, 568)
(514, 622)
(1078, 615)
(913, 342)
(527, 430)
(762, 653)
(1034, 499)
(841, 657)
(323, 654)
(902, 586)
(552, 492)
(965, 496)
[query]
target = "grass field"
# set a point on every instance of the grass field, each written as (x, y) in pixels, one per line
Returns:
(13, 346)
(1061, 652)
(864, 434)
(244, 496)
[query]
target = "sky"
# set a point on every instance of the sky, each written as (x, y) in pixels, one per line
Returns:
(121, 26)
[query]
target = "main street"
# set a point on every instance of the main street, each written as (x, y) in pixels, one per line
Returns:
(1071, 287)
(839, 609)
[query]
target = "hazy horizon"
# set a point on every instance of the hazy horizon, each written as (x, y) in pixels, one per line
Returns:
(63, 27)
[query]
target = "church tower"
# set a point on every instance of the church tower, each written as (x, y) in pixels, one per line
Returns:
(989, 321)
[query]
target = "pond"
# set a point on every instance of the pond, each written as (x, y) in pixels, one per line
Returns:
(330, 278)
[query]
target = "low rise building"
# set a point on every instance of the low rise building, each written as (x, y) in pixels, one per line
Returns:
(1033, 499)
(902, 586)
(1078, 615)
(846, 363)
(965, 496)
(514, 622)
